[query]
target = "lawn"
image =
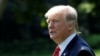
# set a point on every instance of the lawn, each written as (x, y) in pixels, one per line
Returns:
(97, 52)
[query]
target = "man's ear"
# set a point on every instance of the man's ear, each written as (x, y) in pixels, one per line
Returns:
(71, 25)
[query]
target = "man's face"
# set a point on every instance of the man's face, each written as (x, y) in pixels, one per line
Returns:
(57, 26)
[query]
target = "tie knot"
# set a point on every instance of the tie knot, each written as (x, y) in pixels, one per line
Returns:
(57, 48)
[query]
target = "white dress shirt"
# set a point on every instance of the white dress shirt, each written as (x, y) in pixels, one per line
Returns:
(65, 43)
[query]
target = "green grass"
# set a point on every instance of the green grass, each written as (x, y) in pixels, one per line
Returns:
(97, 52)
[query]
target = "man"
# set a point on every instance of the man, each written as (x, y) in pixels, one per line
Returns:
(62, 25)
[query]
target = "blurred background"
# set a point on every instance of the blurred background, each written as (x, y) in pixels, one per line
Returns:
(23, 29)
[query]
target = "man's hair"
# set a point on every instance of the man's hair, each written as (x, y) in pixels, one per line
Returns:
(70, 14)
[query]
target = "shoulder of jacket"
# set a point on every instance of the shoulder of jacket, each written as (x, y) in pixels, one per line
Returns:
(86, 51)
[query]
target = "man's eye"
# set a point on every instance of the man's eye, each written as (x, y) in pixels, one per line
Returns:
(56, 21)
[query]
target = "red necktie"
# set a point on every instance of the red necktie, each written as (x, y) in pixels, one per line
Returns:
(56, 52)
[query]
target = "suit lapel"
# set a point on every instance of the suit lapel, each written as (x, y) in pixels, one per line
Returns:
(66, 52)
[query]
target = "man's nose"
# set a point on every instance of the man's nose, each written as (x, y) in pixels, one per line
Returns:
(51, 25)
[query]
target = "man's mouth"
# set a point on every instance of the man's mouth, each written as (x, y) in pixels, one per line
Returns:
(52, 32)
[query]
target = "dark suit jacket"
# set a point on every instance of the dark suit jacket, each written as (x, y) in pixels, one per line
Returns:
(78, 47)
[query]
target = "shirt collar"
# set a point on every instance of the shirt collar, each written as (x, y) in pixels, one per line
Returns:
(65, 43)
